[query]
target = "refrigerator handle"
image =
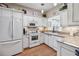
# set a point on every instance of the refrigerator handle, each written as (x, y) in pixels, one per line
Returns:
(10, 29)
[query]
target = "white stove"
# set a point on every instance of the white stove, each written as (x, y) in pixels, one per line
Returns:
(34, 39)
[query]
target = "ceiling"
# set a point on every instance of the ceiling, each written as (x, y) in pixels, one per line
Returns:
(37, 6)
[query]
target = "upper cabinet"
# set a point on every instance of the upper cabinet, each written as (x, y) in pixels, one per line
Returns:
(70, 17)
(27, 20)
(64, 18)
(38, 21)
(73, 15)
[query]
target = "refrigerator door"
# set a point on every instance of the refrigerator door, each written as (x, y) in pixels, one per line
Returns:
(5, 25)
(17, 26)
(10, 48)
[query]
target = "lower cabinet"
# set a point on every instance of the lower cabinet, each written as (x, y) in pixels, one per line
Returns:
(65, 50)
(55, 44)
(51, 41)
(46, 39)
(41, 38)
(25, 42)
(56, 38)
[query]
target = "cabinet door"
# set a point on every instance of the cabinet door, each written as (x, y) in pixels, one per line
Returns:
(56, 39)
(73, 16)
(63, 18)
(66, 52)
(39, 21)
(25, 42)
(51, 41)
(17, 25)
(46, 39)
(55, 44)
(41, 38)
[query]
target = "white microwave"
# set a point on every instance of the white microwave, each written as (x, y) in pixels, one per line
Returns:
(31, 24)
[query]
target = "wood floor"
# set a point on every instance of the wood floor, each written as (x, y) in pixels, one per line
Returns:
(41, 50)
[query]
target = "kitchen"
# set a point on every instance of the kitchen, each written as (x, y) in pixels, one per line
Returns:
(39, 29)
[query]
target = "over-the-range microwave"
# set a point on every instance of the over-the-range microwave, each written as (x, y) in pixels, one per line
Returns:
(31, 24)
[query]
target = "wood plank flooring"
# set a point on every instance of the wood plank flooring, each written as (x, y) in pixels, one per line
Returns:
(41, 50)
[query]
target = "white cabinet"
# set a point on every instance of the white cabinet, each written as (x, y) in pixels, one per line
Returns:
(42, 21)
(75, 9)
(46, 39)
(51, 41)
(25, 41)
(65, 49)
(64, 18)
(27, 20)
(55, 43)
(38, 21)
(70, 16)
(66, 52)
(41, 38)
(56, 38)
(73, 15)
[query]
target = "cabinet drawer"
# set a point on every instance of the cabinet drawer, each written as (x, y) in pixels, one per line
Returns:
(71, 48)
(25, 42)
(66, 52)
(10, 48)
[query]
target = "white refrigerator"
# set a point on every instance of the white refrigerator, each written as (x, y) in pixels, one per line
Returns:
(10, 32)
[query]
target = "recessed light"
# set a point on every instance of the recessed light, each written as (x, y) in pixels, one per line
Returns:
(42, 11)
(55, 4)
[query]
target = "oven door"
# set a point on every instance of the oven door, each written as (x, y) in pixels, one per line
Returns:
(34, 39)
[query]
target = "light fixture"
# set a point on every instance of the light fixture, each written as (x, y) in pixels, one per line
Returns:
(42, 4)
(55, 4)
(42, 11)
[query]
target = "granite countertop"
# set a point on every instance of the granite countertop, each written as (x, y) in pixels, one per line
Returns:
(56, 34)
(67, 39)
(73, 41)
